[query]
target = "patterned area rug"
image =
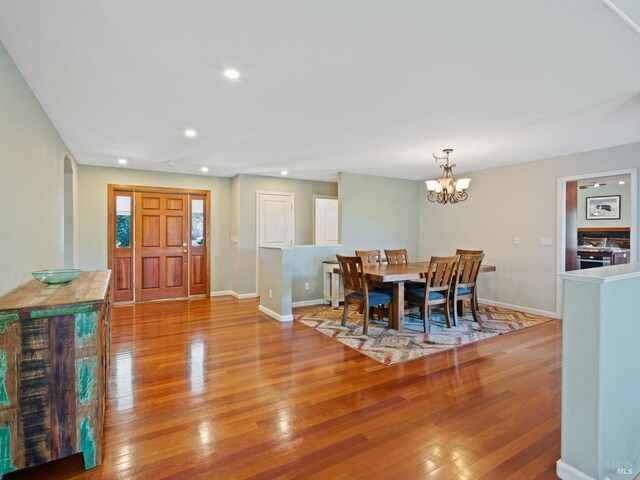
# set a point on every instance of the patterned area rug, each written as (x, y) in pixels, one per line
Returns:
(390, 346)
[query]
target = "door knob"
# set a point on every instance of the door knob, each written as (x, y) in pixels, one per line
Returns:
(184, 251)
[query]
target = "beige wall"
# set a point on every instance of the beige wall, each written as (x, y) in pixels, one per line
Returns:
(517, 200)
(31, 182)
(92, 214)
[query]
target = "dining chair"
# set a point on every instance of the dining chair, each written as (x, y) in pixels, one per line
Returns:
(461, 251)
(437, 288)
(464, 285)
(357, 291)
(400, 256)
(370, 257)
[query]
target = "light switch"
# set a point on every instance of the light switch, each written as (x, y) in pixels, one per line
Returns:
(546, 241)
(516, 240)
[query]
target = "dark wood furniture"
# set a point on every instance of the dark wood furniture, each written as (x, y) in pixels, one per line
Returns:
(464, 286)
(398, 275)
(54, 358)
(357, 291)
(461, 251)
(437, 288)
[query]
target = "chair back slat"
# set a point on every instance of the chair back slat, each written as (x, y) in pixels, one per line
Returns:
(396, 257)
(352, 272)
(370, 257)
(468, 269)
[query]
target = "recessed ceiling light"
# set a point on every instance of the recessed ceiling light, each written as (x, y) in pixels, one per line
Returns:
(204, 169)
(231, 74)
(621, 182)
(596, 185)
(190, 133)
(284, 172)
(122, 161)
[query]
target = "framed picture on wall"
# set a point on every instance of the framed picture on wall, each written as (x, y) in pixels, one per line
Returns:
(603, 208)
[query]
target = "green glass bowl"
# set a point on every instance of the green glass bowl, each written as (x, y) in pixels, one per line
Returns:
(52, 277)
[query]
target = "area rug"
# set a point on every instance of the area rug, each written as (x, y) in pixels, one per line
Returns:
(390, 346)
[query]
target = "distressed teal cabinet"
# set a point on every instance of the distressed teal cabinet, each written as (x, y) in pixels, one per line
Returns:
(54, 358)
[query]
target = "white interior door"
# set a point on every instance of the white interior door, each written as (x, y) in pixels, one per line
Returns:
(275, 219)
(326, 221)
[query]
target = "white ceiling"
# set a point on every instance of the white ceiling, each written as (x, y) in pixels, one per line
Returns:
(365, 86)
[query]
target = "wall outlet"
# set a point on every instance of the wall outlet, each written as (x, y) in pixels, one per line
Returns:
(516, 240)
(270, 293)
(546, 241)
(234, 238)
(306, 286)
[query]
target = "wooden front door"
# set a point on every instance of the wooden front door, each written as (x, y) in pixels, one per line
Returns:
(161, 246)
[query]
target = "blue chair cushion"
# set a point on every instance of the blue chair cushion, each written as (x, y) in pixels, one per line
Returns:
(376, 297)
(464, 291)
(417, 296)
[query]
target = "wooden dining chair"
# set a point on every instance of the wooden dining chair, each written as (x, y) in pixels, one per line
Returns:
(398, 257)
(357, 291)
(464, 285)
(437, 288)
(460, 251)
(370, 257)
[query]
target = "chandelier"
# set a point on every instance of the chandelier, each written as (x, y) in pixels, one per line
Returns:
(447, 189)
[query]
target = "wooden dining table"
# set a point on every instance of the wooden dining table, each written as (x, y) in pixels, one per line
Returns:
(398, 274)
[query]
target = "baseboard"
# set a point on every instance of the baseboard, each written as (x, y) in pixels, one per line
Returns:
(240, 296)
(567, 472)
(277, 316)
(307, 303)
(519, 308)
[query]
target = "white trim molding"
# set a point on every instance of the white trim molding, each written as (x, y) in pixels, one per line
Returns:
(307, 303)
(519, 308)
(567, 472)
(239, 296)
(277, 316)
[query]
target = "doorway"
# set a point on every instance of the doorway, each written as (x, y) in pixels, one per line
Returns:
(587, 207)
(158, 242)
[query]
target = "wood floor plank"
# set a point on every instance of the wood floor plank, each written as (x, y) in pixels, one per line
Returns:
(211, 388)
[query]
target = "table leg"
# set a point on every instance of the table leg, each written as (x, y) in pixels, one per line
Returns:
(397, 319)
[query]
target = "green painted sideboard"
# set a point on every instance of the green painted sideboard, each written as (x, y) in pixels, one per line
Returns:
(54, 358)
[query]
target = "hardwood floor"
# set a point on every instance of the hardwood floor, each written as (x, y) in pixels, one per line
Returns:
(213, 389)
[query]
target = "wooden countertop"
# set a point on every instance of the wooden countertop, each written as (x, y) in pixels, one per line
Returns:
(89, 287)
